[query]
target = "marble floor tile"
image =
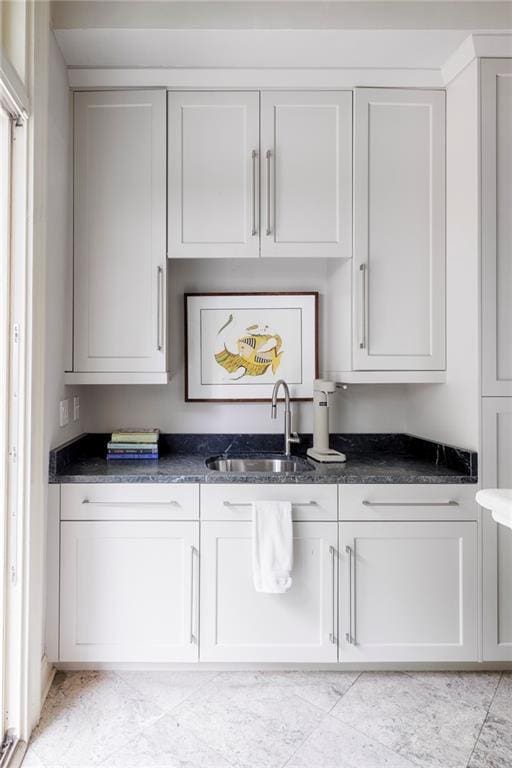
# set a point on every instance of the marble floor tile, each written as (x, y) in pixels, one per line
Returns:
(166, 689)
(323, 689)
(31, 760)
(86, 717)
(494, 746)
(336, 745)
(252, 724)
(502, 703)
(165, 744)
(415, 720)
(473, 688)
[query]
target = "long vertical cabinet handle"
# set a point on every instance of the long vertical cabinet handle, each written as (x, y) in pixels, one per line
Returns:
(254, 230)
(269, 188)
(332, 637)
(349, 636)
(364, 280)
(363, 340)
(193, 608)
(160, 307)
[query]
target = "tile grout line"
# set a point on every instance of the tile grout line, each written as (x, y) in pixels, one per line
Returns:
(484, 721)
(165, 713)
(376, 740)
(326, 715)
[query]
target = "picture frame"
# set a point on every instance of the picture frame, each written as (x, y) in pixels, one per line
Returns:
(238, 344)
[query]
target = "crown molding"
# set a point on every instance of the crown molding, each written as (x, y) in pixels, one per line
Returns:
(270, 79)
(479, 45)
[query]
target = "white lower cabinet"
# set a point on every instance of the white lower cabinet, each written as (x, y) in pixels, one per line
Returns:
(408, 591)
(496, 539)
(240, 624)
(129, 591)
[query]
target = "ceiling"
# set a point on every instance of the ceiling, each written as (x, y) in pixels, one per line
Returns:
(263, 34)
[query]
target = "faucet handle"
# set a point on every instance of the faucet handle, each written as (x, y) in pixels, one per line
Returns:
(294, 438)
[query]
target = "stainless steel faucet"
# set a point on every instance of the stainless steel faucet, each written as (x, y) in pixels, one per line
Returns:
(289, 436)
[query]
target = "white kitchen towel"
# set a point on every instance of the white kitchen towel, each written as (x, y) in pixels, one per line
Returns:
(499, 501)
(272, 546)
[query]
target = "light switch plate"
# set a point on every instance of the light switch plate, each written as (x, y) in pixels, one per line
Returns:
(64, 413)
(76, 409)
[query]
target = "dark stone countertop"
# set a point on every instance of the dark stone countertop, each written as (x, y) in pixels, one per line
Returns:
(371, 458)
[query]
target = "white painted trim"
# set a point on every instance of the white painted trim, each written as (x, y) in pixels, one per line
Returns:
(12, 91)
(478, 45)
(387, 377)
(113, 377)
(52, 560)
(459, 60)
(87, 78)
(451, 666)
(47, 674)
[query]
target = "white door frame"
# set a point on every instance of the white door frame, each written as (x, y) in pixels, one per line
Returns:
(26, 465)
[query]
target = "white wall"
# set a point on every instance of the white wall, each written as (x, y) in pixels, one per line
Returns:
(363, 408)
(449, 412)
(59, 207)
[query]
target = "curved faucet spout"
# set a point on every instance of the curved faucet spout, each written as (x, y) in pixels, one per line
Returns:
(289, 436)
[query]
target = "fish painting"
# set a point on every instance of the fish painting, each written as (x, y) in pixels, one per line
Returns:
(257, 350)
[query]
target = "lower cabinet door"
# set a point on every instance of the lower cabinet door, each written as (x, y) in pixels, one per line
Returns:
(496, 539)
(129, 591)
(240, 624)
(408, 591)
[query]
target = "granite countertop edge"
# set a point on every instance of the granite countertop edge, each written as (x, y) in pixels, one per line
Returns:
(372, 459)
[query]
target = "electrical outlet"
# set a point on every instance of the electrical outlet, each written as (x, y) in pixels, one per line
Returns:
(64, 413)
(76, 409)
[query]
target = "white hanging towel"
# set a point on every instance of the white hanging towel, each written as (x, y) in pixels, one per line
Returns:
(499, 501)
(272, 546)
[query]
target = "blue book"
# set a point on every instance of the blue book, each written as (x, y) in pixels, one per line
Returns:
(136, 456)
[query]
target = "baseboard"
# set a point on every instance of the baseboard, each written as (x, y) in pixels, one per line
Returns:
(489, 666)
(47, 675)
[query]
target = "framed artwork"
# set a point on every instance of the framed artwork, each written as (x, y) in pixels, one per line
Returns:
(237, 345)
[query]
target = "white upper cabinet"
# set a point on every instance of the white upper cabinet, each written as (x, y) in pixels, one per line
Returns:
(496, 105)
(119, 238)
(213, 174)
(306, 173)
(219, 171)
(399, 230)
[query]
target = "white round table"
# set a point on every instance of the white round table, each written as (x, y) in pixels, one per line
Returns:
(499, 502)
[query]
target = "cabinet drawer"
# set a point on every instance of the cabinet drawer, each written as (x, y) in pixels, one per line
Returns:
(233, 501)
(408, 502)
(120, 501)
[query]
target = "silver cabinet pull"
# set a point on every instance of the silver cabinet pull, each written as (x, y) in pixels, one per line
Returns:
(249, 504)
(193, 611)
(332, 637)
(362, 341)
(349, 636)
(132, 503)
(269, 186)
(159, 311)
(450, 503)
(254, 227)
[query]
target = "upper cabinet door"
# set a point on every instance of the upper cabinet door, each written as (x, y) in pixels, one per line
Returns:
(213, 174)
(119, 240)
(399, 230)
(496, 99)
(306, 180)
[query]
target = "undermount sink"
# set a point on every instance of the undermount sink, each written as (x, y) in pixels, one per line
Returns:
(242, 464)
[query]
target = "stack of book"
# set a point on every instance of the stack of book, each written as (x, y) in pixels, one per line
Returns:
(133, 444)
